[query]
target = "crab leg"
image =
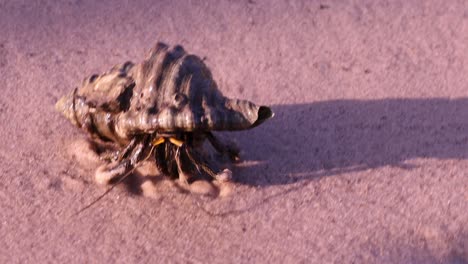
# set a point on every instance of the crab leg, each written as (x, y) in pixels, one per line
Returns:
(122, 170)
(176, 142)
(183, 176)
(158, 141)
(197, 160)
(231, 150)
(107, 173)
(126, 151)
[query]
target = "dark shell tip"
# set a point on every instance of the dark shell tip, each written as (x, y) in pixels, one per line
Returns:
(264, 113)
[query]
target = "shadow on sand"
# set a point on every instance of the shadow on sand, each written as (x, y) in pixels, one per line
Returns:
(446, 248)
(308, 141)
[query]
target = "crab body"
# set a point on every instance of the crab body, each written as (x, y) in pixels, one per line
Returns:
(164, 107)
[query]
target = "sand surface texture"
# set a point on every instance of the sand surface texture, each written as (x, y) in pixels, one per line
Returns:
(364, 162)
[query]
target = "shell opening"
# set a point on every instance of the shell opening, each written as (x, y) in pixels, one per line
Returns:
(264, 113)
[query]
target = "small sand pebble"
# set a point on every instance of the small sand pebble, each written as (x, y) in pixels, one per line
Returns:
(203, 188)
(149, 189)
(225, 188)
(152, 187)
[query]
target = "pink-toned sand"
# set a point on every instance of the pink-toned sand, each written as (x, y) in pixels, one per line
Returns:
(366, 160)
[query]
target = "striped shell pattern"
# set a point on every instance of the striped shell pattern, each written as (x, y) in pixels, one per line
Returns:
(169, 91)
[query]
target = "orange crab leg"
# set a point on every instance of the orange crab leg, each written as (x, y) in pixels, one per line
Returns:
(176, 142)
(158, 141)
(161, 140)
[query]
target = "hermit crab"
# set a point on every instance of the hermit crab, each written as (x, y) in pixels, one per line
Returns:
(163, 108)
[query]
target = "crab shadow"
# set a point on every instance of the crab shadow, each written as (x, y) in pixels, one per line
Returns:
(313, 140)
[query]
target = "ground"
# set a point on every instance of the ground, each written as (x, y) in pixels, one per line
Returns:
(364, 162)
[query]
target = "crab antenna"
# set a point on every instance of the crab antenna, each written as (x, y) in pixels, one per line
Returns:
(105, 193)
(114, 185)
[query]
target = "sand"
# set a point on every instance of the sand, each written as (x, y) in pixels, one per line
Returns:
(364, 162)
